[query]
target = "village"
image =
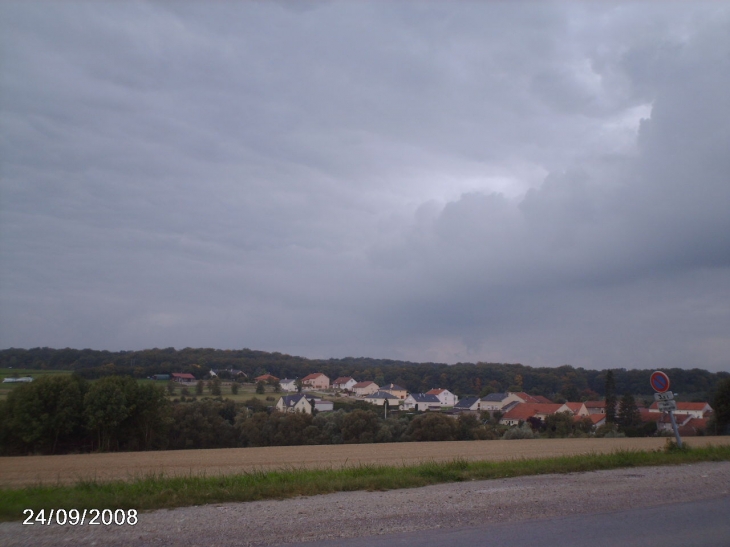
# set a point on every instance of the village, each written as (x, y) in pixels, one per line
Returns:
(314, 394)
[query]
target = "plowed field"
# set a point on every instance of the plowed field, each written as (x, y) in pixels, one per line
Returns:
(28, 470)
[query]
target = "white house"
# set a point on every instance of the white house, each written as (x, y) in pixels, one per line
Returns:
(595, 407)
(295, 403)
(445, 397)
(288, 384)
(471, 404)
(497, 401)
(695, 410)
(321, 405)
(421, 401)
(344, 383)
(365, 388)
(379, 398)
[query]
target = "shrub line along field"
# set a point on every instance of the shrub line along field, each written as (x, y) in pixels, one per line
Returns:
(22, 471)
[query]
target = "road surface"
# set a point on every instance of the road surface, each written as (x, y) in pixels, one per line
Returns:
(618, 507)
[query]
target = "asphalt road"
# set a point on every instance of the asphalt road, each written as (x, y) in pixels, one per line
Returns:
(696, 524)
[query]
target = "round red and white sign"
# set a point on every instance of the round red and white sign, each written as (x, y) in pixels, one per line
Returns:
(659, 381)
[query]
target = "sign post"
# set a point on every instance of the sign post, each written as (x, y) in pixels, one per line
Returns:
(665, 399)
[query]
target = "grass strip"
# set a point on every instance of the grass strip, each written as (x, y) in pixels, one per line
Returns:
(157, 491)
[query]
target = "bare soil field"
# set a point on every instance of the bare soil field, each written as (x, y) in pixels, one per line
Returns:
(31, 470)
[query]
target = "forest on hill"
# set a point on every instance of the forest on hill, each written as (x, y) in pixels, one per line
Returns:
(566, 382)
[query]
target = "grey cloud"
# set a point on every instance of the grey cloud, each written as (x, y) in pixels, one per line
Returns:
(365, 178)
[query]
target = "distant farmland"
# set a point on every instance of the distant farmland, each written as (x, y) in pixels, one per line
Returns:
(29, 470)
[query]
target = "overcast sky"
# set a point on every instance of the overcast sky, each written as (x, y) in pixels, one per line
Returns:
(541, 183)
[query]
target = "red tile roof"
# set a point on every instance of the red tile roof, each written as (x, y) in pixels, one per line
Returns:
(183, 375)
(595, 404)
(435, 391)
(313, 376)
(266, 378)
(686, 406)
(541, 399)
(574, 407)
(342, 380)
(646, 416)
(359, 385)
(523, 411)
(528, 398)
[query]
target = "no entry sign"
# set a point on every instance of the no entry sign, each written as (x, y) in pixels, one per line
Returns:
(659, 381)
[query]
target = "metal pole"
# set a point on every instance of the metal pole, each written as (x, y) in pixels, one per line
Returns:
(676, 431)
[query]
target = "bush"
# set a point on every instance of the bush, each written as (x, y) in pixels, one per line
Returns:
(432, 427)
(522, 432)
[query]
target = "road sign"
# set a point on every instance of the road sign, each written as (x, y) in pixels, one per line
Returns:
(666, 396)
(659, 381)
(666, 406)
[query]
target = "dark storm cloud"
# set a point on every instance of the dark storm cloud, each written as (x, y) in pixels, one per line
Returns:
(412, 180)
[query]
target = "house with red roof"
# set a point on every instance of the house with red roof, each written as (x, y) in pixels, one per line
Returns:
(695, 410)
(595, 407)
(316, 380)
(183, 378)
(527, 398)
(266, 378)
(344, 383)
(693, 426)
(578, 409)
(523, 411)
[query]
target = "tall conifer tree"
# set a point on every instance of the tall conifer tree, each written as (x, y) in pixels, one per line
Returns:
(610, 398)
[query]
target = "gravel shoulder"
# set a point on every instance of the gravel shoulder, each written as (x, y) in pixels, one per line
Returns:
(359, 514)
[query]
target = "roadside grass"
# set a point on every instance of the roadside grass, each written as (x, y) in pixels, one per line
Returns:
(158, 491)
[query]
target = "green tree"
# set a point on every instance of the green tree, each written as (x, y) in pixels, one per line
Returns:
(106, 407)
(470, 428)
(215, 387)
(203, 424)
(199, 385)
(629, 416)
(432, 426)
(559, 424)
(171, 385)
(610, 398)
(721, 407)
(148, 419)
(38, 416)
(260, 387)
(234, 388)
(360, 426)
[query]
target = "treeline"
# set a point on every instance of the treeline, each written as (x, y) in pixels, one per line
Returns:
(565, 382)
(63, 414)
(68, 414)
